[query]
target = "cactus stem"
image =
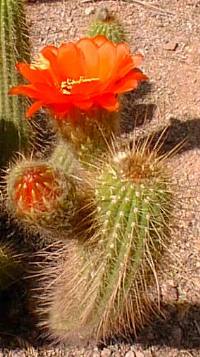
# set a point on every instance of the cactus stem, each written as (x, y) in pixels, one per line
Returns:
(14, 47)
(108, 290)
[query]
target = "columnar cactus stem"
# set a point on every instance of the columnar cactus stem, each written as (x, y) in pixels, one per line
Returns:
(63, 158)
(14, 47)
(108, 293)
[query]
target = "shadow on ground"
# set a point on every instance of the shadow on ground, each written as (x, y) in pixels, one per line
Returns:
(183, 132)
(183, 135)
(179, 329)
(136, 114)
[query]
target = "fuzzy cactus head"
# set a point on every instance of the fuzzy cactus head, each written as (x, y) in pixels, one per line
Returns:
(40, 194)
(36, 190)
(105, 24)
(138, 165)
(45, 197)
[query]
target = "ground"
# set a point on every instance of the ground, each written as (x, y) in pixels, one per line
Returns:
(167, 34)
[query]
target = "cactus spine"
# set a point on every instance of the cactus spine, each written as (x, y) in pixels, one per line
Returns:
(14, 47)
(108, 293)
(106, 25)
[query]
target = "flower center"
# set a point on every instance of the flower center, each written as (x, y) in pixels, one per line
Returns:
(66, 86)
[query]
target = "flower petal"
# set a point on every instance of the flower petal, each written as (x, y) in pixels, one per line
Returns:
(107, 56)
(33, 108)
(129, 82)
(91, 57)
(84, 105)
(86, 89)
(124, 62)
(108, 101)
(51, 53)
(26, 89)
(70, 61)
(60, 109)
(99, 40)
(33, 75)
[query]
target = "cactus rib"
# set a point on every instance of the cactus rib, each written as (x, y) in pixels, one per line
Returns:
(14, 47)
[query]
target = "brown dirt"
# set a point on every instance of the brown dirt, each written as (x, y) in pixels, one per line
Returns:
(167, 33)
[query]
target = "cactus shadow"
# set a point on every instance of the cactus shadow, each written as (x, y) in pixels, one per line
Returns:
(9, 141)
(15, 322)
(135, 114)
(186, 132)
(179, 329)
(15, 318)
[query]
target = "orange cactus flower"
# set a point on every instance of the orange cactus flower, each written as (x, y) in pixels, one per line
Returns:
(88, 74)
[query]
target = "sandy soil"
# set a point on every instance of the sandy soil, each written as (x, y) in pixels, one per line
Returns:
(167, 33)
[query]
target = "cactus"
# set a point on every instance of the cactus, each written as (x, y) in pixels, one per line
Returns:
(92, 136)
(10, 267)
(106, 25)
(117, 215)
(43, 195)
(104, 286)
(14, 47)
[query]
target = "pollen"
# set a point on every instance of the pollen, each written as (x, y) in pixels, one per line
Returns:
(66, 86)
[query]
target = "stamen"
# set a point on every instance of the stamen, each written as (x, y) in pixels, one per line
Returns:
(66, 86)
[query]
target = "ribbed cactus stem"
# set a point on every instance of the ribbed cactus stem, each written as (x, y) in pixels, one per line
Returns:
(10, 266)
(105, 24)
(63, 158)
(14, 47)
(116, 269)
